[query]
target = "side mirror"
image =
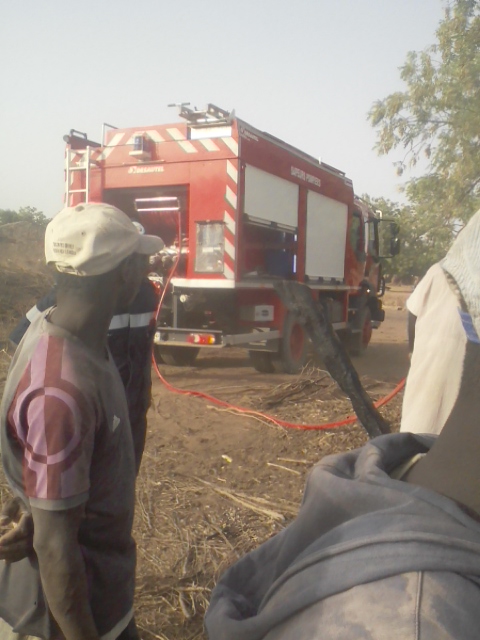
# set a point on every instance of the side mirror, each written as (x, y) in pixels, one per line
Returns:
(389, 238)
(395, 246)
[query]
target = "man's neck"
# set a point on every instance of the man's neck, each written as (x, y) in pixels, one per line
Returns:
(85, 319)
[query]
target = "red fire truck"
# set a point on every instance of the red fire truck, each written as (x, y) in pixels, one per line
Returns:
(238, 209)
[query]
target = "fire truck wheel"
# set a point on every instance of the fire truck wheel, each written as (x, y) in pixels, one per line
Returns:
(293, 346)
(262, 361)
(178, 356)
(359, 341)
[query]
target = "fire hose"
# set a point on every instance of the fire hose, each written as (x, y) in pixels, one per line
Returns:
(268, 418)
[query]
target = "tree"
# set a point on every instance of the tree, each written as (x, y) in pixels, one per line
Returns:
(437, 117)
(24, 214)
(8, 215)
(32, 214)
(421, 245)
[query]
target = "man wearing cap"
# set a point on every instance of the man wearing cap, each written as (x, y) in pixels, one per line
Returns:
(66, 442)
(130, 339)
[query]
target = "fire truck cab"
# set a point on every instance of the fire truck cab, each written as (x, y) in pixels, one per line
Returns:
(237, 209)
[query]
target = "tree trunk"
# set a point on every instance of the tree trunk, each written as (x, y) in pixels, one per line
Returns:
(297, 297)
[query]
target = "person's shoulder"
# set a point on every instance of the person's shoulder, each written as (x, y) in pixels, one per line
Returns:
(434, 273)
(69, 364)
(146, 299)
(51, 357)
(432, 283)
(48, 367)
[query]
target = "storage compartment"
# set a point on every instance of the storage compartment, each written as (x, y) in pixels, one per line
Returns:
(164, 223)
(268, 252)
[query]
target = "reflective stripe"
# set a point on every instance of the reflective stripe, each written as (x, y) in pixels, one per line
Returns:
(141, 319)
(119, 322)
(108, 148)
(187, 146)
(232, 171)
(135, 320)
(175, 134)
(209, 144)
(232, 144)
(231, 197)
(33, 313)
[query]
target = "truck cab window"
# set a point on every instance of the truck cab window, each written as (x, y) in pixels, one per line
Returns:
(357, 236)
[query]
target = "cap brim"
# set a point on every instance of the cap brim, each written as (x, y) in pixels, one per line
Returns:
(148, 245)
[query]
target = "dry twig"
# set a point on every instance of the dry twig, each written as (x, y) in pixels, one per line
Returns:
(280, 466)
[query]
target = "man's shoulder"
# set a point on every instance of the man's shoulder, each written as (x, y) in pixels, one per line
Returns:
(432, 289)
(53, 361)
(146, 299)
(434, 275)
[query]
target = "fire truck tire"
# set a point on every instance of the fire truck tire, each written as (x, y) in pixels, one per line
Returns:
(293, 346)
(262, 361)
(359, 341)
(177, 356)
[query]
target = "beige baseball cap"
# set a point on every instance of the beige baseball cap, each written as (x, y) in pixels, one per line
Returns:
(93, 238)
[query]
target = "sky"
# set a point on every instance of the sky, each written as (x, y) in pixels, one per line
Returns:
(305, 71)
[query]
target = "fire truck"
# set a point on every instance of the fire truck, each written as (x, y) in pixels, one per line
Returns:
(238, 209)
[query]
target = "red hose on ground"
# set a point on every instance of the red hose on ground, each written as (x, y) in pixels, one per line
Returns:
(265, 416)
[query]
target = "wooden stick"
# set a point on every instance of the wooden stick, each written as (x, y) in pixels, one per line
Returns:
(295, 461)
(280, 466)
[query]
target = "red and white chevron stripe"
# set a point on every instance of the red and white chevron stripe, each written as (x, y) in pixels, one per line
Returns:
(229, 219)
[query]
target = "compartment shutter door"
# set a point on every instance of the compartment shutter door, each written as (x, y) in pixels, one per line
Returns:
(270, 198)
(326, 237)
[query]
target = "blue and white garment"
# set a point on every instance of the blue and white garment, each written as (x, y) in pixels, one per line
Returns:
(462, 262)
(469, 327)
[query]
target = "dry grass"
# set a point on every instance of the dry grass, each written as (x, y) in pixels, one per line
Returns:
(182, 549)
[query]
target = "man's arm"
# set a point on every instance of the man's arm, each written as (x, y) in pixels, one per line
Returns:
(62, 571)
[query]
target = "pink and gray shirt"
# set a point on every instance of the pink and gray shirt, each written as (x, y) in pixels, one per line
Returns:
(66, 441)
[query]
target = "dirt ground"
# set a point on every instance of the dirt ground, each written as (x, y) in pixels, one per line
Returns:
(216, 482)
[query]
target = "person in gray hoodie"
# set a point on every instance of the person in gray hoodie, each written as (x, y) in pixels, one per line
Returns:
(386, 543)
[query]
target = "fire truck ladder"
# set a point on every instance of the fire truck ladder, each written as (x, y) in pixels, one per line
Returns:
(85, 165)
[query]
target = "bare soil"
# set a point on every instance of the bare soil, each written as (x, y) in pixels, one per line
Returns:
(216, 482)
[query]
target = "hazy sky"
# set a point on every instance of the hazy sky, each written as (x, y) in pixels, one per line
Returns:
(306, 71)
